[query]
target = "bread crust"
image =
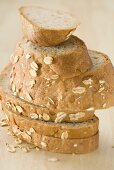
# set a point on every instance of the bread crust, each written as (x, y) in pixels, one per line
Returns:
(41, 35)
(99, 93)
(11, 101)
(57, 130)
(70, 59)
(53, 144)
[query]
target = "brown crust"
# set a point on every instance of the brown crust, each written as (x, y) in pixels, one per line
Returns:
(43, 36)
(67, 62)
(96, 95)
(74, 130)
(78, 146)
(9, 99)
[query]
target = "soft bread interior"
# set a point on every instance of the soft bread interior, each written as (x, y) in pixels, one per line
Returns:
(47, 18)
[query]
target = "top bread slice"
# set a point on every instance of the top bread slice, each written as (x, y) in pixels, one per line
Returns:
(45, 26)
(89, 91)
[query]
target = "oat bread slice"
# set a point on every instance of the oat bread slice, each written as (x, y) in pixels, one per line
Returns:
(57, 130)
(45, 26)
(67, 60)
(53, 144)
(93, 89)
(41, 112)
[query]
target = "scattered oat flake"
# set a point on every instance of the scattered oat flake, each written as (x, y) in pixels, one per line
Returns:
(14, 108)
(64, 135)
(34, 66)
(101, 81)
(26, 136)
(88, 81)
(104, 105)
(21, 97)
(19, 109)
(15, 59)
(33, 73)
(37, 148)
(53, 159)
(13, 87)
(48, 60)
(18, 141)
(76, 116)
(25, 149)
(90, 86)
(46, 117)
(90, 109)
(50, 100)
(75, 145)
(60, 97)
(33, 116)
(53, 82)
(9, 132)
(32, 130)
(43, 144)
(28, 96)
(60, 117)
(8, 104)
(11, 148)
(16, 130)
(4, 122)
(78, 90)
(28, 56)
(55, 76)
(101, 89)
(15, 93)
(32, 83)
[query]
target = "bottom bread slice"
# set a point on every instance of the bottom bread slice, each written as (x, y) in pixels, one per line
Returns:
(53, 144)
(58, 130)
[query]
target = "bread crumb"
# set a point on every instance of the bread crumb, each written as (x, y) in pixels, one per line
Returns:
(53, 159)
(10, 148)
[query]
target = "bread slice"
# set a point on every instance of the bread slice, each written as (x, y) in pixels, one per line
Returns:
(58, 130)
(25, 108)
(68, 59)
(45, 26)
(53, 144)
(92, 89)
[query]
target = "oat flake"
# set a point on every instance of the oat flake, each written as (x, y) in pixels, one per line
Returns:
(64, 135)
(48, 60)
(78, 90)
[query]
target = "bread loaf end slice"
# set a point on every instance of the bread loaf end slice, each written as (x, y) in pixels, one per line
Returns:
(46, 27)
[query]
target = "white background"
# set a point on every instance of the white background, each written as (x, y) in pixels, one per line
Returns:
(97, 30)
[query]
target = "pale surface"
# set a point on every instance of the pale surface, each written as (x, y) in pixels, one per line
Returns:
(97, 30)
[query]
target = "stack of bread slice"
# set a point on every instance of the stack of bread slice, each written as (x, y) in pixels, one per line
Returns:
(54, 84)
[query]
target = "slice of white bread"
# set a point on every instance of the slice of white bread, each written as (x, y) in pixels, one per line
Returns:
(68, 59)
(25, 108)
(45, 26)
(53, 144)
(93, 89)
(58, 130)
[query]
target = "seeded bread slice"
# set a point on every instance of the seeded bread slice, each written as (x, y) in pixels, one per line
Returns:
(58, 130)
(68, 59)
(93, 89)
(40, 112)
(53, 144)
(46, 27)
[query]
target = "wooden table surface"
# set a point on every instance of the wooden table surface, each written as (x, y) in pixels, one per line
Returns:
(97, 30)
